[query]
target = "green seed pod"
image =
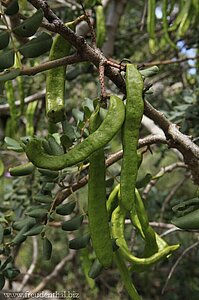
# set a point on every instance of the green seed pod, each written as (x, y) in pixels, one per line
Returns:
(65, 209)
(125, 275)
(35, 230)
(55, 93)
(38, 213)
(47, 249)
(112, 201)
(4, 39)
(72, 224)
(22, 170)
(100, 26)
(97, 211)
(79, 242)
(188, 221)
(95, 269)
(98, 139)
(12, 8)
(37, 46)
(29, 26)
(130, 135)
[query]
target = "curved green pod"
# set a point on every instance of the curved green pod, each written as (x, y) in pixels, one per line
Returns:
(138, 263)
(98, 139)
(130, 135)
(97, 211)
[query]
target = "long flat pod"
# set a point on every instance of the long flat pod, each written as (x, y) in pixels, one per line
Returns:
(133, 116)
(55, 81)
(97, 212)
(109, 127)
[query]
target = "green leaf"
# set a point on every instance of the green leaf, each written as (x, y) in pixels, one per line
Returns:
(72, 224)
(9, 74)
(4, 39)
(78, 115)
(66, 141)
(47, 249)
(38, 213)
(35, 230)
(100, 26)
(68, 130)
(95, 269)
(2, 281)
(87, 113)
(7, 59)
(12, 8)
(11, 273)
(29, 26)
(66, 208)
(37, 46)
(144, 181)
(13, 144)
(79, 242)
(91, 3)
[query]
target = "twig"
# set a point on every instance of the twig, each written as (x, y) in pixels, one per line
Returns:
(33, 264)
(54, 273)
(177, 262)
(168, 61)
(172, 193)
(162, 171)
(4, 108)
(67, 60)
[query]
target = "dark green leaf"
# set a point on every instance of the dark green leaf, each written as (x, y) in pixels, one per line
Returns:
(2, 281)
(4, 39)
(72, 224)
(66, 209)
(47, 249)
(7, 59)
(13, 144)
(29, 26)
(37, 46)
(12, 8)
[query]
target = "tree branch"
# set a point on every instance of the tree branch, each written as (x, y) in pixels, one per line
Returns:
(168, 61)
(54, 273)
(67, 60)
